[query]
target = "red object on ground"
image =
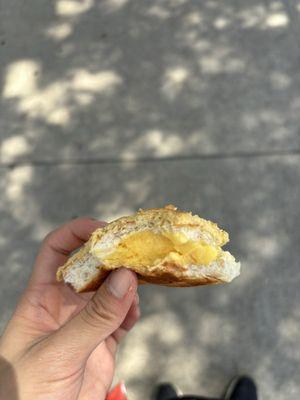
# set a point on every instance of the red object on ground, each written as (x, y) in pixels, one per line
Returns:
(118, 392)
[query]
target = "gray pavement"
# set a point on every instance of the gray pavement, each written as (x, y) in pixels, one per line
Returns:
(122, 79)
(108, 106)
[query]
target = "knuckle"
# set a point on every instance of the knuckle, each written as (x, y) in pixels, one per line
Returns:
(48, 237)
(98, 313)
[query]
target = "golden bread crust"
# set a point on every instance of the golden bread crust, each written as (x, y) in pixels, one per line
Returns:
(166, 274)
(167, 216)
(158, 277)
(168, 280)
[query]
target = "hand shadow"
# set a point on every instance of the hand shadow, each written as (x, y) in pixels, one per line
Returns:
(8, 381)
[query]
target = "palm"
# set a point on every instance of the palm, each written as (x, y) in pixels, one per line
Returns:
(51, 306)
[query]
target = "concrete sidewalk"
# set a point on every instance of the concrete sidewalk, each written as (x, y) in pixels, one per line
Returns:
(108, 106)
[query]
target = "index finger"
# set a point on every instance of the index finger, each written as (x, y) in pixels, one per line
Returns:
(58, 245)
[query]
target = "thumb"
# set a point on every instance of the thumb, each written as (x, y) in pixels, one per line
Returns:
(102, 315)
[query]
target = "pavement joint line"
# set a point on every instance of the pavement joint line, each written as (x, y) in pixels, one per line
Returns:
(125, 160)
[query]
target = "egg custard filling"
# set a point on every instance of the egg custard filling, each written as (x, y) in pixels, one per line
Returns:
(146, 248)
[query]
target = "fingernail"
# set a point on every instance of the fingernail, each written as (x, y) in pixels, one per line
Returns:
(137, 299)
(119, 282)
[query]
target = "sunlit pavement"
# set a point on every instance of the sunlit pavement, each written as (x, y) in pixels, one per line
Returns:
(108, 106)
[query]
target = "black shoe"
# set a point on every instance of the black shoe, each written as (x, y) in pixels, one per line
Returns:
(165, 391)
(241, 388)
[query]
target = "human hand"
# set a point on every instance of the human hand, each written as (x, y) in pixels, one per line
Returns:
(60, 344)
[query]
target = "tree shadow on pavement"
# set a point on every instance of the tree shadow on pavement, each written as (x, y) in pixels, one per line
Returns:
(127, 79)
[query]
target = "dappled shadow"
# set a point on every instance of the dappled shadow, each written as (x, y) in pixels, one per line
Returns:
(92, 81)
(196, 337)
(126, 79)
